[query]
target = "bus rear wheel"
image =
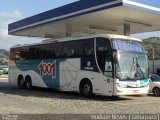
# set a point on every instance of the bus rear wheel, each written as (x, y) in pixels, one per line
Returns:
(28, 83)
(86, 89)
(21, 82)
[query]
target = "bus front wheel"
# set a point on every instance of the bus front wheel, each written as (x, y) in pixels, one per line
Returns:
(86, 89)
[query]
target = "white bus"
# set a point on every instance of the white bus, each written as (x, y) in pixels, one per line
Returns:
(100, 64)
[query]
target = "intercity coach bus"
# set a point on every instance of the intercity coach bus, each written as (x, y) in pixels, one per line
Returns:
(99, 64)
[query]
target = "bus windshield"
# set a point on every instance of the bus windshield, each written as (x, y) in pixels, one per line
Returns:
(131, 66)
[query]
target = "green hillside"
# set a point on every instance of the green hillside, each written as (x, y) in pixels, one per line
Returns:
(150, 44)
(4, 57)
(4, 52)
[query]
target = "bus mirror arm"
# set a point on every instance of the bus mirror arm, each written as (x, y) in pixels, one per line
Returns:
(115, 58)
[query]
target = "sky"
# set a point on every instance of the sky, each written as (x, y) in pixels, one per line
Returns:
(13, 10)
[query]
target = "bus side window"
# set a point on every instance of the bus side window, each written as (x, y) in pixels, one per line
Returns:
(56, 50)
(108, 67)
(86, 48)
(17, 55)
(104, 57)
(24, 53)
(71, 49)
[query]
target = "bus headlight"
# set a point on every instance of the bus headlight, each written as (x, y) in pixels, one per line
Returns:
(122, 85)
(146, 85)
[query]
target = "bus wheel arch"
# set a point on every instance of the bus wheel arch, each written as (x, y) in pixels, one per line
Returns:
(86, 87)
(28, 82)
(21, 82)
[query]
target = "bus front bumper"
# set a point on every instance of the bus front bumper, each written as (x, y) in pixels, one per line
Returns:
(132, 91)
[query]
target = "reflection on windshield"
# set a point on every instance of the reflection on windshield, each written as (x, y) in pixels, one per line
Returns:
(132, 66)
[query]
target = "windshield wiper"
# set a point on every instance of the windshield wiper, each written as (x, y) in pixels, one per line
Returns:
(138, 66)
(134, 69)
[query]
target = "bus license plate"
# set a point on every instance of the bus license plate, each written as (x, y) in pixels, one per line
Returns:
(135, 91)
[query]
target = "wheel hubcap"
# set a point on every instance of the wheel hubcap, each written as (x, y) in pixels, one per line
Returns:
(156, 92)
(87, 89)
(21, 82)
(27, 84)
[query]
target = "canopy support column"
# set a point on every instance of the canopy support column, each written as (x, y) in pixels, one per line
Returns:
(68, 31)
(126, 29)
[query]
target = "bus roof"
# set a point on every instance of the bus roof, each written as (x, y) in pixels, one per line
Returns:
(91, 17)
(109, 36)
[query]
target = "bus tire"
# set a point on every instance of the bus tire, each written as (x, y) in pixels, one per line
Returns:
(21, 82)
(28, 82)
(156, 91)
(86, 88)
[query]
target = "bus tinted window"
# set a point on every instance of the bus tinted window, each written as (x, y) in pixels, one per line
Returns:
(57, 50)
(71, 49)
(103, 45)
(23, 53)
(86, 48)
(104, 56)
(54, 50)
(45, 51)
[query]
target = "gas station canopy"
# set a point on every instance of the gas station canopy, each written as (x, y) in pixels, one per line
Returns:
(92, 17)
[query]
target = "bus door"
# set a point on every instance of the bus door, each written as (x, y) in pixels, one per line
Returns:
(107, 81)
(104, 58)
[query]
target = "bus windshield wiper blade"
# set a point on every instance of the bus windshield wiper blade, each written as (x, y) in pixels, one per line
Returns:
(138, 66)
